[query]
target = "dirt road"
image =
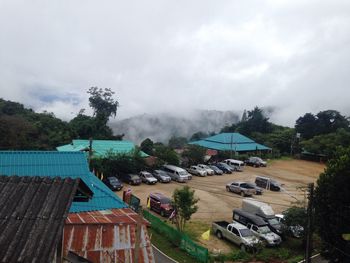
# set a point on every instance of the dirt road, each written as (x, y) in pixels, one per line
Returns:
(217, 204)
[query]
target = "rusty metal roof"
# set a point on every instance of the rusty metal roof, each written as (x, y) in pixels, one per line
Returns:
(32, 214)
(106, 236)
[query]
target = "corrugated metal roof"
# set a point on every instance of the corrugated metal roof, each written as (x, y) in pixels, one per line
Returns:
(62, 164)
(230, 141)
(106, 236)
(32, 214)
(101, 147)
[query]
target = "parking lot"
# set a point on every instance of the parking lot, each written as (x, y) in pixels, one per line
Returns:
(217, 204)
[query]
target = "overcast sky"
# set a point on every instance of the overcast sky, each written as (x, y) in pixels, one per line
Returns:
(167, 56)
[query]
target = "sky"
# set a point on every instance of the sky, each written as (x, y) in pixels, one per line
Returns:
(177, 56)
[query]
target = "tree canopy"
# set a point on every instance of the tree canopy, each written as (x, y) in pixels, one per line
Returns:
(332, 207)
(184, 202)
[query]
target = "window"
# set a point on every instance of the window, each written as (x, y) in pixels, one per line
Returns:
(255, 228)
(235, 231)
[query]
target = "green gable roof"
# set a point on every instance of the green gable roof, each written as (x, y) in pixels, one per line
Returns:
(230, 141)
(61, 164)
(101, 147)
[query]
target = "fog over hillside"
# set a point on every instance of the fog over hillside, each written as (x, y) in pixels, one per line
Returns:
(159, 128)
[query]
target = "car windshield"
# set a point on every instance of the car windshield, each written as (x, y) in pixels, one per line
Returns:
(259, 159)
(183, 173)
(205, 167)
(273, 221)
(134, 176)
(264, 230)
(162, 173)
(245, 232)
(113, 179)
(165, 200)
(274, 182)
(251, 185)
(225, 165)
(147, 175)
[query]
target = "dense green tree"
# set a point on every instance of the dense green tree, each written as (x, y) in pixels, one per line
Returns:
(16, 133)
(326, 144)
(324, 122)
(194, 154)
(184, 202)
(102, 102)
(177, 142)
(330, 121)
(256, 122)
(332, 207)
(166, 154)
(198, 136)
(147, 146)
(306, 126)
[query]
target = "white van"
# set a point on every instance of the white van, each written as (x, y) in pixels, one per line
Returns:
(235, 164)
(176, 173)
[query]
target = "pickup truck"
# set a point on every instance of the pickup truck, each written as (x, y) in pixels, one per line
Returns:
(236, 233)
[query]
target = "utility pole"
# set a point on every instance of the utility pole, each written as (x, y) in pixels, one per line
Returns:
(309, 224)
(138, 235)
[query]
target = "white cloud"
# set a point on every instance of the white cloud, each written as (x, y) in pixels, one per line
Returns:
(160, 56)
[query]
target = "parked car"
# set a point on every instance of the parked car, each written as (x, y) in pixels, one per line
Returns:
(161, 176)
(217, 170)
(224, 167)
(256, 162)
(267, 183)
(147, 177)
(161, 204)
(265, 211)
(207, 169)
(258, 226)
(113, 183)
(295, 230)
(235, 164)
(236, 233)
(176, 173)
(130, 178)
(196, 170)
(258, 190)
(241, 188)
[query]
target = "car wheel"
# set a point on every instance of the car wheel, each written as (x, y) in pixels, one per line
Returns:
(219, 234)
(162, 213)
(242, 194)
(243, 248)
(227, 189)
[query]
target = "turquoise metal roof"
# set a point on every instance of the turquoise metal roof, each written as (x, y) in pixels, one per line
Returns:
(62, 164)
(101, 147)
(230, 141)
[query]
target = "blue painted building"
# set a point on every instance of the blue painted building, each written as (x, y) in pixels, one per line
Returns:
(61, 164)
(231, 142)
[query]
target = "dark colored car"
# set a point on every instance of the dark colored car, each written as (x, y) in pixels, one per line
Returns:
(161, 176)
(217, 170)
(255, 162)
(161, 204)
(113, 183)
(267, 183)
(130, 179)
(224, 167)
(258, 190)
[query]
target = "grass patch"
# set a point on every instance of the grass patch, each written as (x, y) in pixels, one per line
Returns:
(169, 249)
(195, 229)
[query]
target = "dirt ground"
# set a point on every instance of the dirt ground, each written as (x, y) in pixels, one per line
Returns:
(217, 204)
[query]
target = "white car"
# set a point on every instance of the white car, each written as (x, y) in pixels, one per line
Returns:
(147, 178)
(196, 170)
(207, 169)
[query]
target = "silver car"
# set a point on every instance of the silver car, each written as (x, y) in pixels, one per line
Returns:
(196, 170)
(242, 188)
